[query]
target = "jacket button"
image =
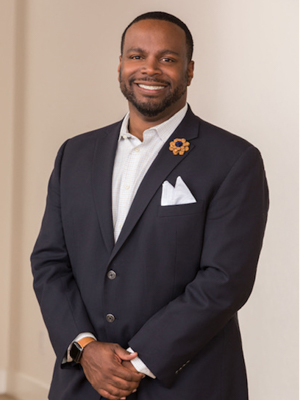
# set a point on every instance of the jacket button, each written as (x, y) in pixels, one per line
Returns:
(110, 318)
(111, 274)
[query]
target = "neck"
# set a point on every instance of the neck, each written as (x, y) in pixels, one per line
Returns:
(138, 122)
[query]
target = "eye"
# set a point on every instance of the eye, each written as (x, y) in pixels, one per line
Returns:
(167, 60)
(135, 57)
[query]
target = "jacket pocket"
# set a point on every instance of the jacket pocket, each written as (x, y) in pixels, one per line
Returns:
(181, 209)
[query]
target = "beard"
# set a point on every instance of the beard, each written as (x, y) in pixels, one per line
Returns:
(152, 108)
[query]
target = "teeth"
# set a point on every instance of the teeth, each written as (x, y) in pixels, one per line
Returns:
(151, 87)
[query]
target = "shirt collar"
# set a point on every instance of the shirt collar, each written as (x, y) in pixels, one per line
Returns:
(163, 130)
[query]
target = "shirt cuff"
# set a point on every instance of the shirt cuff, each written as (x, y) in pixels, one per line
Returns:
(67, 357)
(140, 366)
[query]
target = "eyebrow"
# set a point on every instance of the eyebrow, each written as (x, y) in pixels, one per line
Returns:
(164, 51)
(137, 49)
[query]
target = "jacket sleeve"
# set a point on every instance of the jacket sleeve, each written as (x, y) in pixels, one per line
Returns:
(62, 308)
(234, 230)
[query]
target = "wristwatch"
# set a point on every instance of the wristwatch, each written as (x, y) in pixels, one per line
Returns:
(76, 349)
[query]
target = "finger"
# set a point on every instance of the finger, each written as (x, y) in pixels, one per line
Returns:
(107, 395)
(124, 354)
(121, 384)
(126, 374)
(114, 386)
(112, 393)
(128, 356)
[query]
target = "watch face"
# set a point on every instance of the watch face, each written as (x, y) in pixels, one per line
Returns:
(75, 352)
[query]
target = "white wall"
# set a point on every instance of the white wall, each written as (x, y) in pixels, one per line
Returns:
(60, 79)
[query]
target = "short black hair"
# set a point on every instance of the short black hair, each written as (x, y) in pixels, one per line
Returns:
(163, 16)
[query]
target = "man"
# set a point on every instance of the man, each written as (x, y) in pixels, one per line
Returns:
(150, 239)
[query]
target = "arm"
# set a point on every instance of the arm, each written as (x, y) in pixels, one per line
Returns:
(234, 231)
(63, 309)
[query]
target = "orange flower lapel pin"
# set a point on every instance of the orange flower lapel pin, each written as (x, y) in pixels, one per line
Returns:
(179, 146)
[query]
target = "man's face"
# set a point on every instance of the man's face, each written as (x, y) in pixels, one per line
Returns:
(154, 71)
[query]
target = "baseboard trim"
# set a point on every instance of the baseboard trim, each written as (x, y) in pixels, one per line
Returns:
(3, 381)
(25, 387)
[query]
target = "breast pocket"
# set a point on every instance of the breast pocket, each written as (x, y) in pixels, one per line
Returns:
(181, 209)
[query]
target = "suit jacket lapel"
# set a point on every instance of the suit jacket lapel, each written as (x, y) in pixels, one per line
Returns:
(158, 172)
(104, 157)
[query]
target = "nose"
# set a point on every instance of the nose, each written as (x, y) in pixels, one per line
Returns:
(151, 66)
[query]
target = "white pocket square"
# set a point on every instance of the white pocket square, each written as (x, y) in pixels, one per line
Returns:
(180, 194)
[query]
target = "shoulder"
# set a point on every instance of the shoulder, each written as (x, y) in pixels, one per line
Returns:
(83, 146)
(214, 138)
(95, 134)
(218, 144)
(219, 139)
(88, 141)
(219, 150)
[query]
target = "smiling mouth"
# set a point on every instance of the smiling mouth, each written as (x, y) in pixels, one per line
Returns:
(147, 87)
(153, 87)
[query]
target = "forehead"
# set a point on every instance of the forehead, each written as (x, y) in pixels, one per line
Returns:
(155, 34)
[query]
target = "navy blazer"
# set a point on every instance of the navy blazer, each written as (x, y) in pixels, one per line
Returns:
(182, 272)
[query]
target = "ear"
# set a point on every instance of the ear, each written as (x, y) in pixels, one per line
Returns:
(119, 67)
(190, 72)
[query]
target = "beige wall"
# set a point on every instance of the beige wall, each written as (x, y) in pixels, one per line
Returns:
(7, 30)
(59, 78)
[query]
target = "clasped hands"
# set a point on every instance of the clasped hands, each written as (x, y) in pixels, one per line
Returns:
(108, 368)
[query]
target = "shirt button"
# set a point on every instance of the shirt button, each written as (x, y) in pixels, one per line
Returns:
(111, 274)
(137, 150)
(110, 318)
(127, 187)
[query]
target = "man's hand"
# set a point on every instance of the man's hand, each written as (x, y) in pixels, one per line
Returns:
(102, 365)
(128, 365)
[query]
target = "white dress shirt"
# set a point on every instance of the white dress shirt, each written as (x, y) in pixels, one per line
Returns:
(132, 161)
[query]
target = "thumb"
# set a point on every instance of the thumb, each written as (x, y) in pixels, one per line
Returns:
(124, 354)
